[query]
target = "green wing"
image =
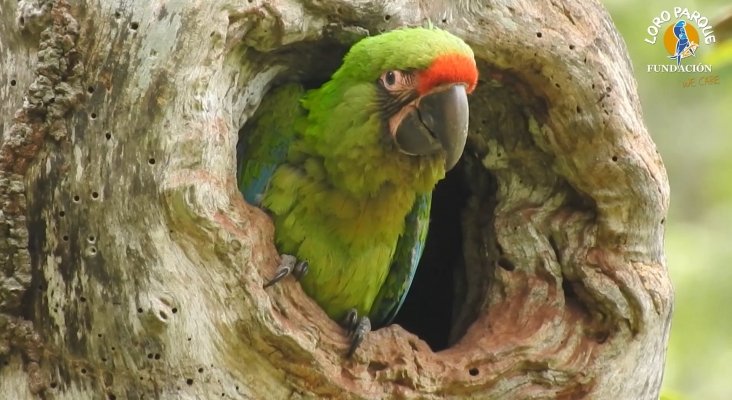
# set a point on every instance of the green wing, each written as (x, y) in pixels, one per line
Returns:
(268, 140)
(404, 265)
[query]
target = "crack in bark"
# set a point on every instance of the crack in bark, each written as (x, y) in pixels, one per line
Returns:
(50, 97)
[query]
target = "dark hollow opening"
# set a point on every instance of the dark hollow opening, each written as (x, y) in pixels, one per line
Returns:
(428, 308)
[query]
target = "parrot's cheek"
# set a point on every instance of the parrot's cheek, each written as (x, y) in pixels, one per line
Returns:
(438, 123)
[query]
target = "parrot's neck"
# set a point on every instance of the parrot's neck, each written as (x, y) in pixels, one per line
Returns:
(346, 142)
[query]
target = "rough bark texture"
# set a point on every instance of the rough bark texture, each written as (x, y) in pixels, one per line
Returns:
(131, 267)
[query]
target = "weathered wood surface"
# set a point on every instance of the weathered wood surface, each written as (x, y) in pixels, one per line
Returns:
(132, 267)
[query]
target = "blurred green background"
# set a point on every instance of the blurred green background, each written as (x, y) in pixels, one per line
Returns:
(691, 127)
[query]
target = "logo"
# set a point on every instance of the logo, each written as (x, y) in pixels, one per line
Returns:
(685, 43)
(679, 33)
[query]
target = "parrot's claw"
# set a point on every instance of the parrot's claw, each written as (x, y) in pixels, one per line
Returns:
(351, 320)
(357, 329)
(300, 269)
(288, 265)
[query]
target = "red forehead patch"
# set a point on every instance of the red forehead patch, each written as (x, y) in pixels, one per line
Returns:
(449, 68)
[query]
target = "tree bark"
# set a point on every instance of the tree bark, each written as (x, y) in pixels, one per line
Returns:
(132, 267)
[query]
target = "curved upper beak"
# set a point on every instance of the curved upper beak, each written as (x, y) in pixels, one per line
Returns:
(438, 122)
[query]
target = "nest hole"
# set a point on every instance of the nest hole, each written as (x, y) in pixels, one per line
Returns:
(433, 309)
(428, 308)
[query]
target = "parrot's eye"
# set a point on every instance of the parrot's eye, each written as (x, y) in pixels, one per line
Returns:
(390, 78)
(395, 80)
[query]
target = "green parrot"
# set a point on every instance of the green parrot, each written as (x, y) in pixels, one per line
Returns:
(347, 170)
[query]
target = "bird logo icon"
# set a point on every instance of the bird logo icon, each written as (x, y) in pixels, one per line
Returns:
(681, 40)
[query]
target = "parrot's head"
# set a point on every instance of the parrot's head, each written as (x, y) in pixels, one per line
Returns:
(421, 77)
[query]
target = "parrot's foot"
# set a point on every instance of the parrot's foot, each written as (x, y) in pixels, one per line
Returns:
(288, 265)
(357, 329)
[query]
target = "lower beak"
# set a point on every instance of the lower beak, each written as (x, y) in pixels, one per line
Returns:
(438, 123)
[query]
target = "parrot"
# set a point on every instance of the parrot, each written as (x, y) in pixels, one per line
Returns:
(682, 41)
(346, 170)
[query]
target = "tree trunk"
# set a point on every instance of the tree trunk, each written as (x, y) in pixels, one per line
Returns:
(133, 268)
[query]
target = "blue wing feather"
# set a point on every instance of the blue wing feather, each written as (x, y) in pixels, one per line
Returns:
(266, 145)
(404, 264)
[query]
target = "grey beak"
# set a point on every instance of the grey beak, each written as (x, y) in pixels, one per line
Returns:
(440, 122)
